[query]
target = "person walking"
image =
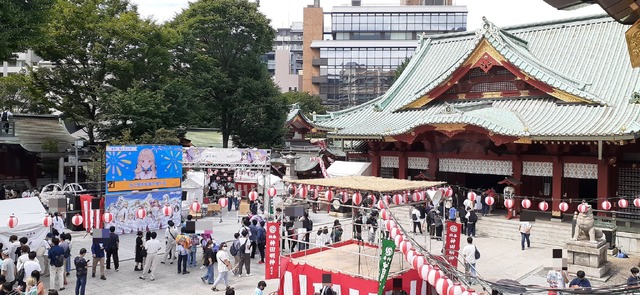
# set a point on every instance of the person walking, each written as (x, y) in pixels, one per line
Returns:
(209, 260)
(97, 251)
(525, 232)
(81, 272)
(224, 266)
(253, 237)
(260, 289)
(245, 252)
(262, 240)
(415, 217)
(170, 235)
(472, 219)
(182, 249)
(65, 243)
(469, 257)
(139, 257)
(234, 251)
(113, 244)
(152, 247)
(56, 260)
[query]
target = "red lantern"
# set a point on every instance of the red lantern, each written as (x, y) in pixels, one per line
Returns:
(456, 289)
(253, 195)
(77, 220)
(469, 292)
(314, 194)
(442, 285)
(229, 178)
(217, 177)
(107, 217)
(372, 197)
(398, 240)
(622, 203)
(508, 203)
(417, 197)
(167, 210)
(329, 195)
(384, 214)
(381, 204)
(12, 221)
(582, 208)
(223, 202)
(344, 197)
(409, 256)
(47, 220)
(424, 271)
(195, 206)
(526, 203)
(357, 198)
(397, 199)
(141, 213)
(386, 199)
(606, 205)
(636, 202)
(543, 206)
(394, 232)
(390, 224)
(489, 200)
(405, 246)
(434, 275)
(272, 192)
(471, 196)
(563, 206)
(448, 192)
(418, 261)
(303, 191)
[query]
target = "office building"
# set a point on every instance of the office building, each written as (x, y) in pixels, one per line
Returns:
(21, 63)
(285, 61)
(355, 60)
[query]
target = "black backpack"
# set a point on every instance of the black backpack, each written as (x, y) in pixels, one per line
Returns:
(473, 217)
(58, 261)
(309, 225)
(243, 247)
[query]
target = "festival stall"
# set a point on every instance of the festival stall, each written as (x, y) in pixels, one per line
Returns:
(23, 217)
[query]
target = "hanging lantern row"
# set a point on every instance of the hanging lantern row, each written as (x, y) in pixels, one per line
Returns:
(429, 273)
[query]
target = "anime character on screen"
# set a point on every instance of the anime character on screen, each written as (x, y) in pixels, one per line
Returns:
(146, 167)
(246, 157)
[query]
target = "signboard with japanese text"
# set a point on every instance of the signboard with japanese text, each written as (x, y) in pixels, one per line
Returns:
(272, 261)
(142, 167)
(452, 242)
(386, 257)
(199, 155)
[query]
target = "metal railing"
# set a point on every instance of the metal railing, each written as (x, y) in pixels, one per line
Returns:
(7, 129)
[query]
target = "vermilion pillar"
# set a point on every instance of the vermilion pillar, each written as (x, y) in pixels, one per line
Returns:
(403, 165)
(603, 182)
(374, 155)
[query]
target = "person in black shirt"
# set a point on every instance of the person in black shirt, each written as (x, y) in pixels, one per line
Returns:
(112, 248)
(357, 227)
(81, 272)
(140, 252)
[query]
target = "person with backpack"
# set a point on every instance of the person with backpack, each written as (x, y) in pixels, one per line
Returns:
(56, 260)
(6, 114)
(170, 235)
(81, 271)
(253, 237)
(234, 251)
(415, 217)
(65, 243)
(472, 219)
(463, 219)
(245, 252)
(470, 254)
(336, 231)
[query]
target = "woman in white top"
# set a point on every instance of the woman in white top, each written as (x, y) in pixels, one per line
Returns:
(557, 279)
(319, 239)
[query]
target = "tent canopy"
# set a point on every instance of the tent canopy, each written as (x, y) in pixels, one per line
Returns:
(342, 168)
(369, 183)
(195, 179)
(29, 212)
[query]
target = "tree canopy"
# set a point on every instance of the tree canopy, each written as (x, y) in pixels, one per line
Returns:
(308, 103)
(21, 23)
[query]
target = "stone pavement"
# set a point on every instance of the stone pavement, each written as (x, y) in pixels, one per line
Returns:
(501, 259)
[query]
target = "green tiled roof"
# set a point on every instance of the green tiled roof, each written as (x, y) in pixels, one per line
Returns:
(585, 57)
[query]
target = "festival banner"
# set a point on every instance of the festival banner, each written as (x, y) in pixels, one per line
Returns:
(452, 242)
(124, 208)
(272, 262)
(143, 167)
(199, 155)
(386, 257)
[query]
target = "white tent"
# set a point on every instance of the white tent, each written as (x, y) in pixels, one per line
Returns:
(274, 181)
(29, 212)
(194, 185)
(342, 168)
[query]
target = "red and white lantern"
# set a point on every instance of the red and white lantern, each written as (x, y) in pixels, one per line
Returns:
(417, 197)
(606, 205)
(195, 207)
(12, 221)
(253, 195)
(47, 220)
(563, 206)
(471, 196)
(329, 195)
(372, 197)
(356, 198)
(636, 202)
(167, 210)
(398, 199)
(107, 217)
(448, 192)
(424, 271)
(381, 204)
(344, 197)
(141, 213)
(442, 285)
(543, 206)
(623, 203)
(434, 275)
(384, 214)
(526, 203)
(386, 199)
(418, 261)
(389, 225)
(77, 220)
(410, 254)
(489, 200)
(272, 192)
(456, 289)
(303, 191)
(405, 246)
(223, 202)
(508, 203)
(398, 240)
(582, 208)
(394, 232)
(469, 292)
(292, 189)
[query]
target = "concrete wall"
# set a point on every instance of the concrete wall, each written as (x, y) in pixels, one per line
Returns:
(628, 242)
(283, 76)
(313, 30)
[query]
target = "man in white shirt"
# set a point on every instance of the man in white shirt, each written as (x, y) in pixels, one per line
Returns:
(525, 231)
(24, 257)
(153, 247)
(30, 265)
(469, 256)
(415, 217)
(170, 235)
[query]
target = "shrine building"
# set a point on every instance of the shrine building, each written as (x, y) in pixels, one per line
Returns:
(548, 104)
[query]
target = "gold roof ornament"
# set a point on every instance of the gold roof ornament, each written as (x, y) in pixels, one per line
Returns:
(633, 43)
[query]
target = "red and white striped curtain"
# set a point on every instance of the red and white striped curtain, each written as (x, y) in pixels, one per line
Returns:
(92, 217)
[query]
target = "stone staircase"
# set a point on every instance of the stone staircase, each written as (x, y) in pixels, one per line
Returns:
(545, 232)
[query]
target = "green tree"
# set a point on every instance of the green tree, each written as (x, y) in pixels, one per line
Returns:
(221, 43)
(18, 95)
(101, 49)
(401, 68)
(309, 104)
(21, 23)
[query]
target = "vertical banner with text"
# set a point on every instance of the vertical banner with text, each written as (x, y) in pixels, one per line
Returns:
(386, 256)
(452, 242)
(272, 261)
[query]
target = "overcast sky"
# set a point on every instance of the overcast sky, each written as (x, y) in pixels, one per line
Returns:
(283, 12)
